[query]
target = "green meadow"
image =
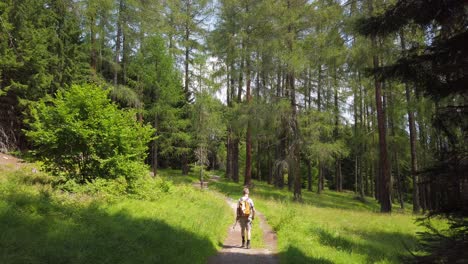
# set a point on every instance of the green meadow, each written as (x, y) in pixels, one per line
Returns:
(43, 225)
(333, 227)
(178, 223)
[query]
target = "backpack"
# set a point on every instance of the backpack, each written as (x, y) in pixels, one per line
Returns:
(244, 208)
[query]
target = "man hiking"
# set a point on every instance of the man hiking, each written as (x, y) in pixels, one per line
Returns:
(245, 216)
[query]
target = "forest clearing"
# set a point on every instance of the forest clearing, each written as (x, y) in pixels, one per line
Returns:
(168, 224)
(226, 131)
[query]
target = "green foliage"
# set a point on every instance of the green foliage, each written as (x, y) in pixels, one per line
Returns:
(41, 49)
(153, 74)
(317, 132)
(82, 134)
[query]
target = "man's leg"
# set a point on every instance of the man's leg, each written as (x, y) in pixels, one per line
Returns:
(249, 227)
(243, 226)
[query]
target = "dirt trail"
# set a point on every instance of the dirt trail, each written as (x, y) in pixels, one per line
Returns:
(8, 162)
(232, 251)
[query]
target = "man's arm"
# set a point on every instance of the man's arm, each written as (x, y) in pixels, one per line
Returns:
(253, 210)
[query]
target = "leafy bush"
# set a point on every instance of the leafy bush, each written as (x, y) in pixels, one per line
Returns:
(81, 134)
(150, 189)
(104, 188)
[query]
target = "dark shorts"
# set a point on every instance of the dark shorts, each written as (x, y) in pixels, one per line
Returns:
(245, 223)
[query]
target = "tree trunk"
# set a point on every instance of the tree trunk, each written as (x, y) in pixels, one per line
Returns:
(93, 45)
(118, 42)
(319, 108)
(270, 168)
(229, 155)
(391, 123)
(385, 203)
(154, 161)
(186, 63)
(412, 132)
(320, 179)
(309, 175)
(235, 159)
(248, 139)
(338, 175)
(361, 147)
(294, 169)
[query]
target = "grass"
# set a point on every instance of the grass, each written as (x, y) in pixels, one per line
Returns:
(42, 225)
(332, 227)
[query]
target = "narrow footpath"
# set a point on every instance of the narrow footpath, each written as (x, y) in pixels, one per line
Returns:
(232, 253)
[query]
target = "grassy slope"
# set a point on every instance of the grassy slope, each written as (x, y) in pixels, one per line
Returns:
(41, 225)
(332, 227)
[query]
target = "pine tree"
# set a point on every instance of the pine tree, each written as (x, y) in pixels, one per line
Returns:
(42, 51)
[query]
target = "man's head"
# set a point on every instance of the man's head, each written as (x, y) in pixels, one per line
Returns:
(246, 191)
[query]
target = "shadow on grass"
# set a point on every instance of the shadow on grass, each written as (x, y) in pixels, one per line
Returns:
(37, 228)
(327, 199)
(294, 255)
(376, 245)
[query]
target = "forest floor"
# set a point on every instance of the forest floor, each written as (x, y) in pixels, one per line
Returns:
(232, 252)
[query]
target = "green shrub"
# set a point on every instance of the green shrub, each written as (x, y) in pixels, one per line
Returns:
(80, 133)
(106, 188)
(150, 189)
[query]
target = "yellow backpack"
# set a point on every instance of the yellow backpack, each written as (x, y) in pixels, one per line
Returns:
(244, 208)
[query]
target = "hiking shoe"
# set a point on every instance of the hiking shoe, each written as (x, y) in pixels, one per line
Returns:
(248, 244)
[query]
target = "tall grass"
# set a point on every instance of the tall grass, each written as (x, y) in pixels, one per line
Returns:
(43, 225)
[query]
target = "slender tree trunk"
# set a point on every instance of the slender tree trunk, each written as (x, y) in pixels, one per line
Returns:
(385, 202)
(391, 123)
(229, 155)
(228, 136)
(356, 136)
(412, 131)
(93, 45)
(235, 141)
(248, 139)
(295, 148)
(309, 175)
(154, 163)
(294, 168)
(385, 107)
(270, 168)
(320, 184)
(258, 163)
(319, 109)
(361, 147)
(118, 42)
(235, 159)
(338, 175)
(125, 52)
(186, 63)
(356, 164)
